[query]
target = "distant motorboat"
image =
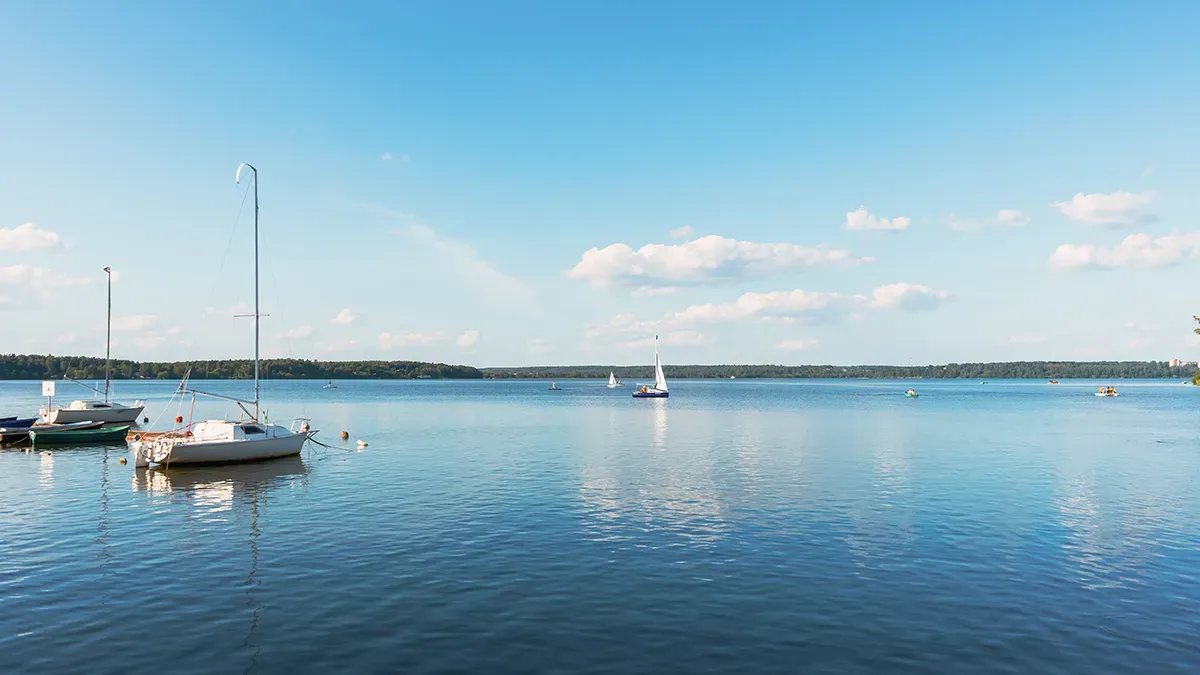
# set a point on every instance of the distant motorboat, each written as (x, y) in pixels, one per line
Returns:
(1107, 392)
(659, 390)
(554, 386)
(911, 393)
(613, 382)
(330, 385)
(1053, 381)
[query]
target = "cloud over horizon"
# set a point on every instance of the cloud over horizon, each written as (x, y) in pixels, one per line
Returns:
(1114, 209)
(706, 260)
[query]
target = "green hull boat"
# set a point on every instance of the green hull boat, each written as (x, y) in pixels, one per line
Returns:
(78, 436)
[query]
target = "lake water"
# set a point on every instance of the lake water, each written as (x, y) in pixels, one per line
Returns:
(740, 526)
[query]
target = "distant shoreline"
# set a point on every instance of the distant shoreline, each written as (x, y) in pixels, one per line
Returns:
(48, 367)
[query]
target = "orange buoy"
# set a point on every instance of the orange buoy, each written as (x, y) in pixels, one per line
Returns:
(122, 460)
(179, 419)
(345, 435)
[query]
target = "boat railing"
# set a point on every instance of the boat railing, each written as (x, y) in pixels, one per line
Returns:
(300, 425)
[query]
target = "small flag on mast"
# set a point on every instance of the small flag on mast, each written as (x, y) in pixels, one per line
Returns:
(108, 269)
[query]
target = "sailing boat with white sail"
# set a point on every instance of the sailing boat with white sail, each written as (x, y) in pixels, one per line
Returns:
(98, 411)
(659, 390)
(613, 382)
(219, 441)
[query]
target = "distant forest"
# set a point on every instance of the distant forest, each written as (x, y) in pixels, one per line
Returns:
(38, 367)
(976, 371)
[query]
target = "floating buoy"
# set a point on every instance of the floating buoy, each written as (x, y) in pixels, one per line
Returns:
(179, 419)
(122, 460)
(345, 435)
(145, 420)
(362, 444)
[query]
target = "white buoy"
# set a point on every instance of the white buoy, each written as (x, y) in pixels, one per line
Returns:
(362, 444)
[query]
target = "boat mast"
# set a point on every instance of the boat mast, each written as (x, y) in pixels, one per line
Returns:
(256, 313)
(108, 336)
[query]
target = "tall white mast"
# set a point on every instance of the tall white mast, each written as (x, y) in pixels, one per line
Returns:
(238, 179)
(108, 336)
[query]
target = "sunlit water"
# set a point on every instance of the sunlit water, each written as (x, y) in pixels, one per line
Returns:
(740, 526)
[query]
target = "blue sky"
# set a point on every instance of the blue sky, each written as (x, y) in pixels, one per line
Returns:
(554, 183)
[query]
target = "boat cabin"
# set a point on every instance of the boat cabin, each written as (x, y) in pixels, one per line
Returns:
(220, 430)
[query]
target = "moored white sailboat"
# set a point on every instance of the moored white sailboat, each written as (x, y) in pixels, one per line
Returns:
(613, 382)
(659, 390)
(220, 441)
(97, 411)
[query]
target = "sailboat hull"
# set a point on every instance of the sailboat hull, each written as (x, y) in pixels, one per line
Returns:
(115, 414)
(217, 452)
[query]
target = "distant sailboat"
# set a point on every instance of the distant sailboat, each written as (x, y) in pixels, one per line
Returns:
(659, 390)
(613, 382)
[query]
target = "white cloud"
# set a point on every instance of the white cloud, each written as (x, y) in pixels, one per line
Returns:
(389, 157)
(1117, 208)
(650, 291)
(798, 345)
(344, 317)
(681, 232)
(1136, 250)
(464, 262)
(708, 259)
(1011, 217)
(27, 237)
(757, 305)
(1003, 218)
(679, 338)
(39, 278)
(539, 345)
(1025, 340)
(389, 341)
(297, 333)
(912, 297)
(785, 307)
(468, 338)
(133, 322)
(861, 219)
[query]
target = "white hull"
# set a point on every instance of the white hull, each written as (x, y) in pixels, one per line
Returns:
(171, 451)
(107, 415)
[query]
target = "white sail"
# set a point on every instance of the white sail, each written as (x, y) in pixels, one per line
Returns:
(660, 380)
(612, 379)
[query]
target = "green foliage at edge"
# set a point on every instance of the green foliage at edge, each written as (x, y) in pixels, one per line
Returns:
(47, 367)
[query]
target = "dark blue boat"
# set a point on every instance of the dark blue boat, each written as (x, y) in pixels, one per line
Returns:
(16, 423)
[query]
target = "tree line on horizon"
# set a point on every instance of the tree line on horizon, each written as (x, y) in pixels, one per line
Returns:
(48, 367)
(1049, 370)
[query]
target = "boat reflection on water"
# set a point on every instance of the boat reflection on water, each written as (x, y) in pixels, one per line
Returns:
(208, 485)
(211, 490)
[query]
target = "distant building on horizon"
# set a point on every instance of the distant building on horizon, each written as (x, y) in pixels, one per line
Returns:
(1176, 363)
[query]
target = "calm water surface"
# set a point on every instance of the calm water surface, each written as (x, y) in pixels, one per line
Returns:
(740, 526)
